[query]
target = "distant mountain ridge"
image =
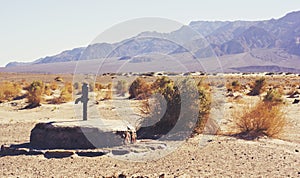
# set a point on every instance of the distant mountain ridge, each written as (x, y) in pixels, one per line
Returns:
(223, 37)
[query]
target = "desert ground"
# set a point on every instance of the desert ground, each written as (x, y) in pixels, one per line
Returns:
(209, 154)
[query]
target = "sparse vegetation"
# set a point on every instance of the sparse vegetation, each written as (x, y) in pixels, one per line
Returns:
(263, 119)
(65, 94)
(35, 91)
(258, 87)
(204, 107)
(274, 96)
(9, 90)
(234, 86)
(186, 104)
(108, 93)
(139, 89)
(47, 90)
(105, 93)
(53, 86)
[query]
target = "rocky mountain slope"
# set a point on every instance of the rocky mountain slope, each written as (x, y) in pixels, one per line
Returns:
(275, 39)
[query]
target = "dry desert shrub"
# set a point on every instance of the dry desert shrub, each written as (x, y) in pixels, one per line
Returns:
(53, 86)
(204, 107)
(34, 96)
(65, 94)
(68, 87)
(105, 93)
(139, 89)
(258, 87)
(9, 91)
(47, 90)
(262, 119)
(274, 96)
(99, 86)
(234, 86)
(109, 92)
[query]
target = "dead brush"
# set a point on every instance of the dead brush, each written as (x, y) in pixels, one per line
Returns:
(9, 91)
(274, 96)
(234, 86)
(65, 94)
(105, 93)
(140, 89)
(34, 96)
(262, 119)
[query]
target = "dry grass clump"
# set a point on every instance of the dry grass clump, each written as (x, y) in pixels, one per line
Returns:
(99, 86)
(53, 86)
(65, 94)
(105, 93)
(34, 96)
(139, 89)
(263, 119)
(258, 87)
(9, 91)
(47, 90)
(109, 92)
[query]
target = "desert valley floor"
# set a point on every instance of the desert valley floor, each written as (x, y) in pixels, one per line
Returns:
(204, 155)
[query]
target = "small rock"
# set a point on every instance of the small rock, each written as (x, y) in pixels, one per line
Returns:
(162, 176)
(296, 101)
(121, 176)
(120, 152)
(58, 154)
(296, 150)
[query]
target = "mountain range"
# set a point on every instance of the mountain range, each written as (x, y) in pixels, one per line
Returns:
(240, 45)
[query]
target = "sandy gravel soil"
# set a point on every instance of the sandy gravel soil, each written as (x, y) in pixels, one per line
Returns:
(201, 156)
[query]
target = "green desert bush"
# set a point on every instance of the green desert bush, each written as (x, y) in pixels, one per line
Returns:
(9, 91)
(262, 119)
(258, 87)
(35, 91)
(186, 104)
(121, 87)
(139, 89)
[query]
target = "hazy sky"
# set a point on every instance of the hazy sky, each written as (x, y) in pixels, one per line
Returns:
(31, 29)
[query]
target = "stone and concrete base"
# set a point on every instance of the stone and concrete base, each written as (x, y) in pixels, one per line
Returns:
(88, 134)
